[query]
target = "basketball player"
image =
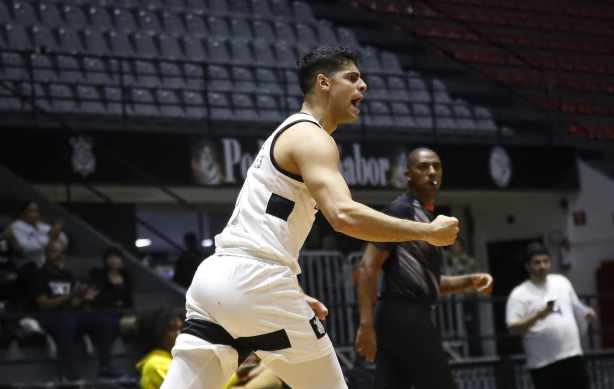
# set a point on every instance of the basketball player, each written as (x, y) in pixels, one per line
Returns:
(246, 296)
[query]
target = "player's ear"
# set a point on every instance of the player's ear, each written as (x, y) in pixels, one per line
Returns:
(322, 82)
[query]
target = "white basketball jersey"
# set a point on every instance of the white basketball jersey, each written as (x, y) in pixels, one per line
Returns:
(274, 211)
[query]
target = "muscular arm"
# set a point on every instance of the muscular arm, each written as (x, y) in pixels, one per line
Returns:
(371, 263)
(453, 284)
(309, 151)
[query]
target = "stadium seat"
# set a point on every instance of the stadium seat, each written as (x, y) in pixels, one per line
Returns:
(444, 121)
(261, 8)
(196, 25)
(243, 107)
(263, 53)
(194, 49)
(69, 40)
(146, 48)
(241, 29)
(149, 22)
(219, 78)
(16, 37)
(263, 30)
(75, 17)
(268, 109)
(173, 25)
(43, 69)
(5, 15)
(291, 84)
(306, 34)
(69, 69)
(217, 50)
(285, 32)
(147, 74)
(194, 104)
(90, 100)
(464, 118)
(169, 47)
(378, 115)
(422, 116)
(243, 80)
(63, 98)
(239, 7)
(397, 89)
(418, 91)
(169, 103)
(124, 20)
(326, 33)
(390, 63)
(172, 75)
(218, 27)
(49, 14)
(268, 82)
(293, 104)
(402, 115)
(284, 54)
(219, 106)
(302, 11)
(347, 38)
(281, 9)
(483, 119)
(142, 102)
(376, 87)
(24, 14)
(241, 52)
(43, 37)
(13, 66)
(219, 7)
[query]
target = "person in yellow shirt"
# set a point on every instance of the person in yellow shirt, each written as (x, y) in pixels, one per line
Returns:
(157, 330)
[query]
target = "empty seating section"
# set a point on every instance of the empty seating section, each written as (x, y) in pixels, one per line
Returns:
(217, 59)
(563, 47)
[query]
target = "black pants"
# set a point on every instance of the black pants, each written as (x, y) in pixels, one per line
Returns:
(568, 373)
(409, 349)
(66, 329)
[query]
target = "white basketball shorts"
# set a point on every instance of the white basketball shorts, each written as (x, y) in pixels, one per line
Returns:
(259, 304)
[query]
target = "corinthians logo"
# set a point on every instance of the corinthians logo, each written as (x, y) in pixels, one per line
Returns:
(83, 159)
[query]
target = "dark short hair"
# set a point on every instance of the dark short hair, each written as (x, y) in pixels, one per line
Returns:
(23, 205)
(533, 249)
(112, 252)
(323, 60)
(151, 324)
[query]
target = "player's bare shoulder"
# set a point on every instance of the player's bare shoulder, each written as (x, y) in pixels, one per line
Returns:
(301, 142)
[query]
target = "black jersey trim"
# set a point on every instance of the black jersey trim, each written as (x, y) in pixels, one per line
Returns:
(216, 334)
(296, 177)
(279, 207)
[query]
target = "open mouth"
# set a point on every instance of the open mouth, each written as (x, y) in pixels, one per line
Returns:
(355, 102)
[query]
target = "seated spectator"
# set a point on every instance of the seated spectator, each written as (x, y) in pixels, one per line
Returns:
(33, 235)
(9, 289)
(188, 261)
(157, 330)
(253, 374)
(114, 286)
(54, 290)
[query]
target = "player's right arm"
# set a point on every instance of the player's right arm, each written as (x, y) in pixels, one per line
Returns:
(372, 260)
(313, 153)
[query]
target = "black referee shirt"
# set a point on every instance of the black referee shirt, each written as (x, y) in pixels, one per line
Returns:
(413, 269)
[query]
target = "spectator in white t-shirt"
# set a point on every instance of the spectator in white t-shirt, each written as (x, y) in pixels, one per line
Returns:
(541, 309)
(33, 235)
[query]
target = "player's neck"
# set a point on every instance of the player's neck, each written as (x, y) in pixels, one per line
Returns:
(321, 115)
